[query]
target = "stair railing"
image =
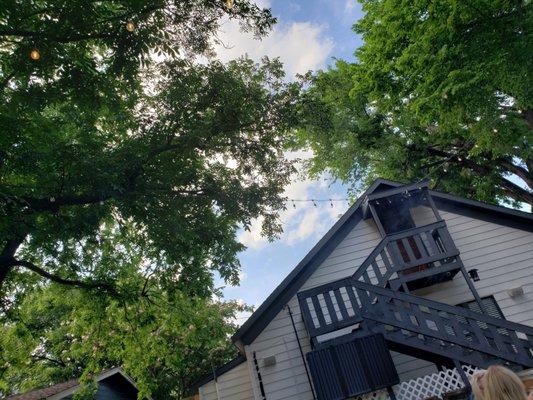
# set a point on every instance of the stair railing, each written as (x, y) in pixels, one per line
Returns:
(418, 319)
(412, 250)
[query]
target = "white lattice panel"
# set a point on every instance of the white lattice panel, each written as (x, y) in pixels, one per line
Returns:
(425, 386)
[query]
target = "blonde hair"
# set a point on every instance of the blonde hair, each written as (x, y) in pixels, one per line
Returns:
(498, 383)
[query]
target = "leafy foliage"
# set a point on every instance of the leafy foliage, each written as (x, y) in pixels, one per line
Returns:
(165, 344)
(440, 90)
(164, 327)
(98, 131)
(126, 169)
(196, 161)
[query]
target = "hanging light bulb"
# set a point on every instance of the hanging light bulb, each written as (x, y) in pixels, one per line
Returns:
(229, 4)
(35, 55)
(130, 26)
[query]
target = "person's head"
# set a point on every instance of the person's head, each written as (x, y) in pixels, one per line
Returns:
(498, 383)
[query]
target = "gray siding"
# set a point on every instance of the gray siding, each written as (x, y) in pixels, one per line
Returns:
(233, 385)
(503, 256)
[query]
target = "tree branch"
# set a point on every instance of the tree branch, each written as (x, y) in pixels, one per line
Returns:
(70, 282)
(6, 256)
(528, 117)
(511, 189)
(527, 176)
(52, 360)
(54, 203)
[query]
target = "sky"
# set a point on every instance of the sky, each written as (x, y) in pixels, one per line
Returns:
(309, 35)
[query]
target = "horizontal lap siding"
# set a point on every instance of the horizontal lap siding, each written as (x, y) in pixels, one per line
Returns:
(503, 256)
(287, 378)
(233, 385)
(504, 259)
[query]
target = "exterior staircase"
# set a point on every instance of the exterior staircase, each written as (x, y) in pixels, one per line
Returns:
(376, 299)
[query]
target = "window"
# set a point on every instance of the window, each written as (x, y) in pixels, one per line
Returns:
(491, 306)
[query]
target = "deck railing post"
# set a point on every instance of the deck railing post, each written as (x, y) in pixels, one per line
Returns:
(462, 374)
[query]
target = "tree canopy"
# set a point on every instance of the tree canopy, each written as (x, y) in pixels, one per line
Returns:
(96, 129)
(165, 340)
(126, 169)
(440, 90)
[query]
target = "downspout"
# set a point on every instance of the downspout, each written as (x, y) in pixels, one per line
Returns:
(259, 379)
(215, 378)
(301, 352)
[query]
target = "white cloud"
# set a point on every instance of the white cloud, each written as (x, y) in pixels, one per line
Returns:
(252, 238)
(301, 46)
(263, 3)
(309, 225)
(301, 220)
(350, 6)
(242, 276)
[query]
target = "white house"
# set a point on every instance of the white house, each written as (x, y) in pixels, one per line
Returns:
(407, 294)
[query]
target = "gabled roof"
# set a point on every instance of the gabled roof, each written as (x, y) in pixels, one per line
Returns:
(292, 283)
(63, 389)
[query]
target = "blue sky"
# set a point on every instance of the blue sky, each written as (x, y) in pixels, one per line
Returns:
(309, 36)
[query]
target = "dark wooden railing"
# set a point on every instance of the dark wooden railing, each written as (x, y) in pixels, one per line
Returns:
(411, 254)
(444, 329)
(370, 300)
(330, 307)
(417, 322)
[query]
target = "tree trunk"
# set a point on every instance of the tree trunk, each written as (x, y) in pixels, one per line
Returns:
(7, 257)
(5, 267)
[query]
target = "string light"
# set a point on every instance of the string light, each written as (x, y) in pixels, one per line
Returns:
(229, 4)
(315, 201)
(130, 26)
(312, 200)
(35, 55)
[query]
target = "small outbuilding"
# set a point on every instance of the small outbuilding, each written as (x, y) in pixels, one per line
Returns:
(113, 384)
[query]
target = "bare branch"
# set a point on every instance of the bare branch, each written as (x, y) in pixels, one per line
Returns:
(90, 285)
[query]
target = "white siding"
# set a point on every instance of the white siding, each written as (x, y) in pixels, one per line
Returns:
(287, 379)
(503, 256)
(233, 385)
(504, 259)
